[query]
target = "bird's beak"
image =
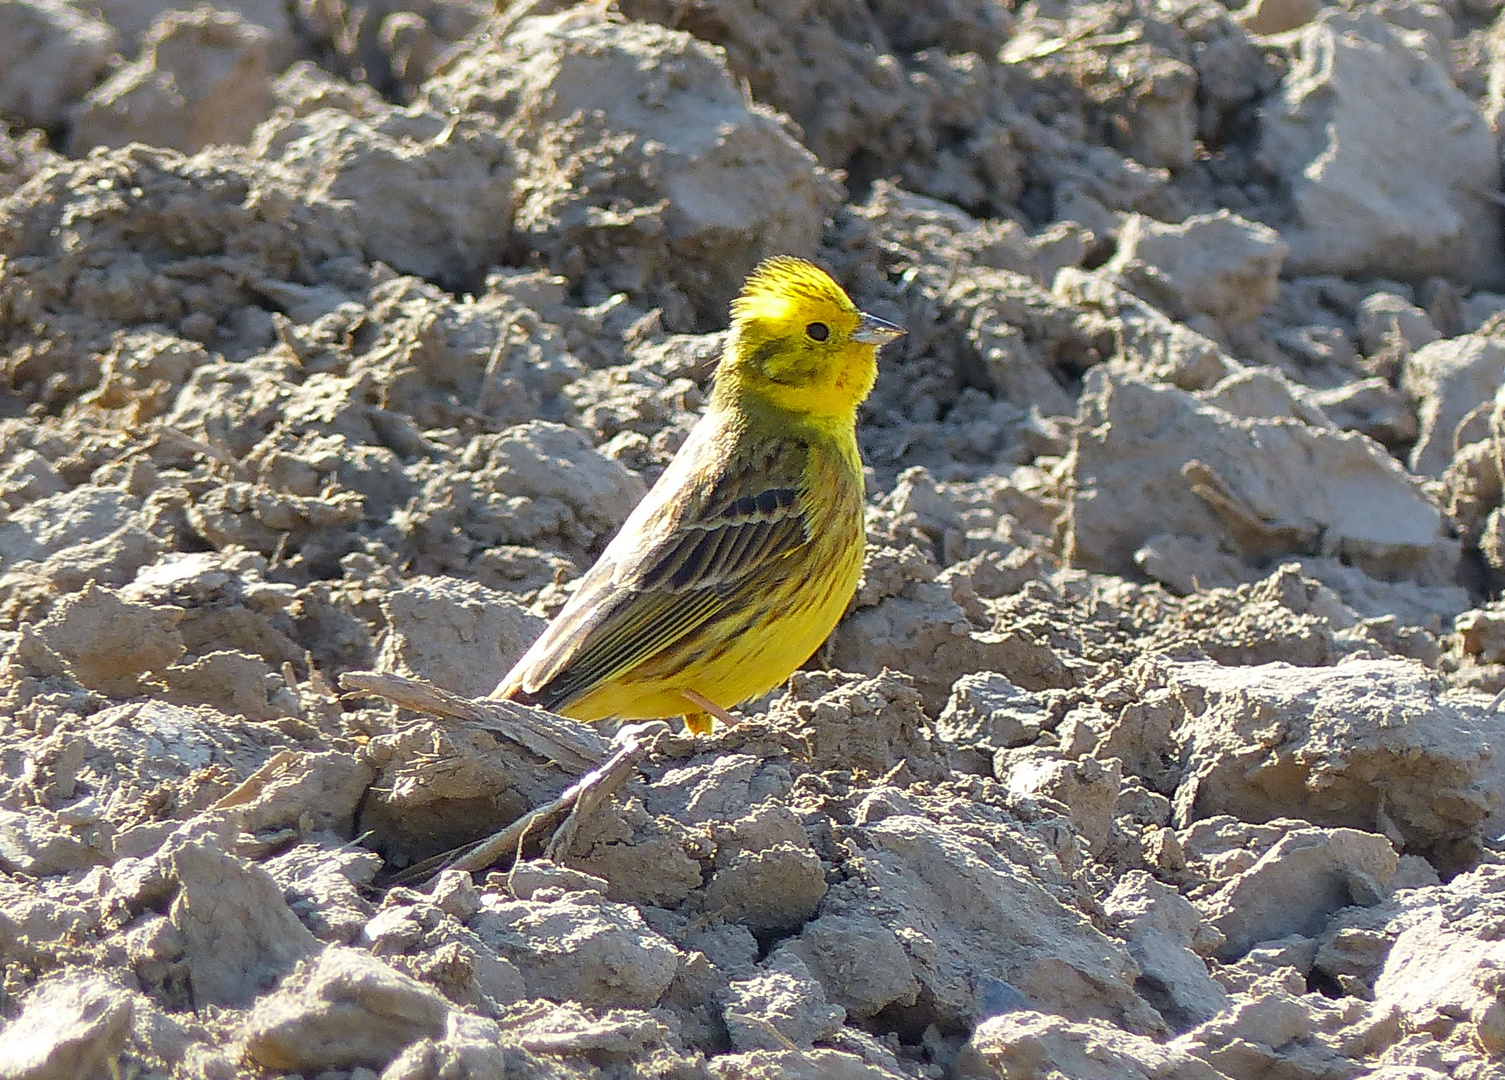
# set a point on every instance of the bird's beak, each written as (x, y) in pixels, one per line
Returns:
(872, 330)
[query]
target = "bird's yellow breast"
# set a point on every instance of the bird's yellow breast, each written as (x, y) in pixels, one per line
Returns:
(803, 606)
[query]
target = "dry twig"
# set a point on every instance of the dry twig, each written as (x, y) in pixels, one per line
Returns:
(579, 799)
(572, 744)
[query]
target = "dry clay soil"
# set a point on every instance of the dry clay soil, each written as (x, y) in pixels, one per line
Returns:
(1157, 742)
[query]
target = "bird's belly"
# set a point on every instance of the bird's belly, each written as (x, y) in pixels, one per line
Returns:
(742, 666)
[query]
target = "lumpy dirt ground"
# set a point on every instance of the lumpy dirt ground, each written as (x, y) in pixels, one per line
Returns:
(340, 336)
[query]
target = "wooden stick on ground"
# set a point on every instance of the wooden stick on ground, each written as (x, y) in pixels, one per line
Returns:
(573, 745)
(579, 799)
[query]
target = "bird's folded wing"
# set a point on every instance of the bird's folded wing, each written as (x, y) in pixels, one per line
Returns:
(626, 611)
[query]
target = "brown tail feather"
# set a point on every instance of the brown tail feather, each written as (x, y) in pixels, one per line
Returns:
(511, 689)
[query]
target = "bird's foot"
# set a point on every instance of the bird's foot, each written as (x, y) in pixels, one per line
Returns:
(699, 721)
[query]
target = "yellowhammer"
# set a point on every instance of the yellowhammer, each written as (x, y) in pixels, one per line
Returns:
(740, 560)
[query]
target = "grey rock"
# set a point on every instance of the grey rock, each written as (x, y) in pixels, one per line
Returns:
(239, 937)
(860, 962)
(1298, 884)
(457, 634)
(53, 53)
(1217, 264)
(1387, 161)
(203, 77)
(60, 521)
(1448, 380)
(988, 711)
(1340, 735)
(998, 921)
(1147, 460)
(433, 193)
(782, 1003)
(345, 1008)
(580, 947)
(1025, 1043)
(1168, 938)
(70, 1028)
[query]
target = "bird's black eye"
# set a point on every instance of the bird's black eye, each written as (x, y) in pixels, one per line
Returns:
(818, 331)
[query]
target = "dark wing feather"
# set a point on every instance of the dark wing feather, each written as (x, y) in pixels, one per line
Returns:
(625, 612)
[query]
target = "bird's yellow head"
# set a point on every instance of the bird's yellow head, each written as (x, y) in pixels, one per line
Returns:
(800, 343)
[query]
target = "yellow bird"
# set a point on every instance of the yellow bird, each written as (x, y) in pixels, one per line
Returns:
(738, 563)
